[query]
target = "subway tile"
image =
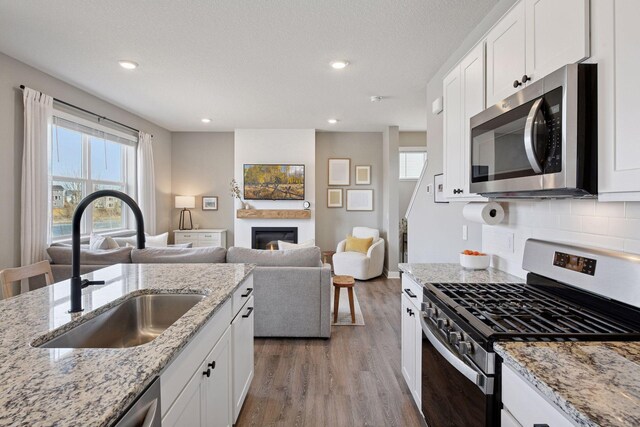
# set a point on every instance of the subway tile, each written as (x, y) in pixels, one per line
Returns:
(610, 210)
(595, 225)
(632, 209)
(625, 228)
(583, 207)
(560, 207)
(541, 207)
(632, 246)
(606, 242)
(570, 223)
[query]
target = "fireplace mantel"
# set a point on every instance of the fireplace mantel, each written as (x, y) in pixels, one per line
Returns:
(273, 214)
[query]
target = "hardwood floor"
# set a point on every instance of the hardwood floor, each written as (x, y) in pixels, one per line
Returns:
(352, 379)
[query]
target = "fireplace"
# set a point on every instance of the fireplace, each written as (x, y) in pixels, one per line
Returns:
(267, 237)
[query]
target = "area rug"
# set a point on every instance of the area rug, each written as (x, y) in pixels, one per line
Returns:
(344, 314)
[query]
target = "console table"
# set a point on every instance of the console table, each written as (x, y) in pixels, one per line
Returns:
(202, 238)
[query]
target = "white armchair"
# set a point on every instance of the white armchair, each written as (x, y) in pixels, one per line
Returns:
(359, 265)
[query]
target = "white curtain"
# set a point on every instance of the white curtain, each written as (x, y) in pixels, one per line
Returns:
(34, 233)
(146, 182)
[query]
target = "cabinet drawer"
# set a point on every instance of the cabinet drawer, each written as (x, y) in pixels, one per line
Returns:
(186, 236)
(409, 288)
(242, 294)
(209, 241)
(526, 405)
(179, 371)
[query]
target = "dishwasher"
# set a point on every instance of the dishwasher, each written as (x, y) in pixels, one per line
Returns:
(145, 411)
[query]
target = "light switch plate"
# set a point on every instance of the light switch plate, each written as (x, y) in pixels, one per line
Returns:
(465, 232)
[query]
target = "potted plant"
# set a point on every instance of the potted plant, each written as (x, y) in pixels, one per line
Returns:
(237, 194)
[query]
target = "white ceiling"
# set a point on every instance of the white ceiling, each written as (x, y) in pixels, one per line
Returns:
(246, 63)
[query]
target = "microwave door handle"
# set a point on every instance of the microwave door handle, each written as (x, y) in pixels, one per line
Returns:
(529, 137)
(466, 370)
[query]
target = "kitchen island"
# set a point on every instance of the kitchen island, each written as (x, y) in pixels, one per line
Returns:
(94, 386)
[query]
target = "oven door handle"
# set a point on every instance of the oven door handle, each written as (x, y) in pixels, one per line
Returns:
(478, 378)
(529, 137)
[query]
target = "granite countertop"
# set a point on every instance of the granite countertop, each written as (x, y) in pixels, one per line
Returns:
(593, 383)
(92, 387)
(455, 273)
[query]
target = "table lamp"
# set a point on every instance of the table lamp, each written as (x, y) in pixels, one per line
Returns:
(185, 203)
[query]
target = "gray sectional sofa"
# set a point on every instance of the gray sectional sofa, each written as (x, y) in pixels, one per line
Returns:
(292, 288)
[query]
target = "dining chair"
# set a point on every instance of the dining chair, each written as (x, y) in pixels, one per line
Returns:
(10, 275)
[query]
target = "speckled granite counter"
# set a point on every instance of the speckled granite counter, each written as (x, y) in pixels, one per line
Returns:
(92, 387)
(594, 383)
(454, 273)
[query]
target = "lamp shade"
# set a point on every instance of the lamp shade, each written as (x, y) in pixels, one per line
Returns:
(188, 202)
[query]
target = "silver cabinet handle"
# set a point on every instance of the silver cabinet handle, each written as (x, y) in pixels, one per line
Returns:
(529, 138)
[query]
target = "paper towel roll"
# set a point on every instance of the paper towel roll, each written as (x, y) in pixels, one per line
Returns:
(490, 213)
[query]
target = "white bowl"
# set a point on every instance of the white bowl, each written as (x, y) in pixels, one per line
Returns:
(475, 262)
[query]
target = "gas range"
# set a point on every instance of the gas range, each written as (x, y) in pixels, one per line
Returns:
(571, 294)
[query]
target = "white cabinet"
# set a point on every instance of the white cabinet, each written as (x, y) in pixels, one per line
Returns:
(205, 400)
(464, 93)
(242, 345)
(506, 55)
(201, 238)
(615, 34)
(524, 405)
(411, 338)
(535, 38)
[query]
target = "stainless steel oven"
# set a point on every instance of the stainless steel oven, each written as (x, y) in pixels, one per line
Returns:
(541, 141)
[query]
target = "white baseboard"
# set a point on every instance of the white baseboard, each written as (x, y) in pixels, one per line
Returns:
(391, 274)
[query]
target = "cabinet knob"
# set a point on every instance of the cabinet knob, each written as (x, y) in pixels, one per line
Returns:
(212, 365)
(516, 83)
(207, 373)
(526, 78)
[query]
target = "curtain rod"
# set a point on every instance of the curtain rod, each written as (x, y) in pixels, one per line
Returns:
(59, 101)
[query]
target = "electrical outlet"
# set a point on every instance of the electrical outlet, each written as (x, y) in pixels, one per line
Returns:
(465, 232)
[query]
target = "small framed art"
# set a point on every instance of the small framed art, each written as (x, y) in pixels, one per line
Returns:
(363, 175)
(339, 171)
(359, 200)
(210, 203)
(334, 197)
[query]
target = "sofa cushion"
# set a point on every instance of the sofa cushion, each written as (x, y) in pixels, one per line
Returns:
(62, 255)
(178, 255)
(355, 244)
(159, 241)
(282, 245)
(97, 241)
(303, 257)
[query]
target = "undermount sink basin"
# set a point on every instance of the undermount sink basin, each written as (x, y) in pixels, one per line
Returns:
(135, 321)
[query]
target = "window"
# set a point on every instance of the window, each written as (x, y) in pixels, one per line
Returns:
(412, 160)
(86, 157)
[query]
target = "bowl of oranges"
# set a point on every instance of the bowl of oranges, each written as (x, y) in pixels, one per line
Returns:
(474, 260)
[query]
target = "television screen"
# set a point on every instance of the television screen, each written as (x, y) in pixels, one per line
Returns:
(274, 182)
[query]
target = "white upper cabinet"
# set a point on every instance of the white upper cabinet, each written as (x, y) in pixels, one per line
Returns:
(533, 39)
(615, 32)
(463, 90)
(557, 34)
(506, 56)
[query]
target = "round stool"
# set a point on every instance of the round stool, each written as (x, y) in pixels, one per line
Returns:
(343, 282)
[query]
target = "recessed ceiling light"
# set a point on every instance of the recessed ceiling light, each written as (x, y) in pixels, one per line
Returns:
(333, 121)
(376, 98)
(128, 65)
(339, 65)
(205, 120)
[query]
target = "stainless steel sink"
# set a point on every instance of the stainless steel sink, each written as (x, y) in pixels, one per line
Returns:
(135, 321)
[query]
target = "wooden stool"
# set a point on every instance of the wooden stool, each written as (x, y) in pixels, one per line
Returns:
(343, 282)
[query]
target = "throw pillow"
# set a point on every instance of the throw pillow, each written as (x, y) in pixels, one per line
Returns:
(159, 241)
(355, 244)
(282, 245)
(97, 241)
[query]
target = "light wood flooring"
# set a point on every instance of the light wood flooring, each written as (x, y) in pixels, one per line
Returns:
(352, 379)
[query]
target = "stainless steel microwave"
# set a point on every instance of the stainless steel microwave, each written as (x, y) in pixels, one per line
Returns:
(541, 141)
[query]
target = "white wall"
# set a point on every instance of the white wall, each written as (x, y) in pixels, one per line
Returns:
(406, 187)
(583, 222)
(295, 146)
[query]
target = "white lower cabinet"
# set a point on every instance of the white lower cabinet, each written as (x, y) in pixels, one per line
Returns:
(242, 345)
(207, 383)
(411, 341)
(524, 406)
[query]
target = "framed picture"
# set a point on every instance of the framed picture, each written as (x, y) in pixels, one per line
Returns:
(209, 203)
(339, 171)
(363, 175)
(359, 200)
(334, 197)
(438, 189)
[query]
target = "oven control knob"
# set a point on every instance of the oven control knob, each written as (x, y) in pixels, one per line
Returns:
(454, 337)
(431, 312)
(465, 347)
(443, 323)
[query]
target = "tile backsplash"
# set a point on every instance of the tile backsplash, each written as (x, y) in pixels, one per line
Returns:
(614, 225)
